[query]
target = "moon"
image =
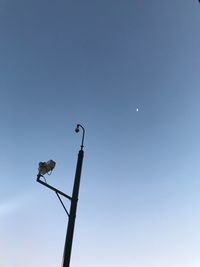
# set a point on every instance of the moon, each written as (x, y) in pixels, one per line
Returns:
(137, 109)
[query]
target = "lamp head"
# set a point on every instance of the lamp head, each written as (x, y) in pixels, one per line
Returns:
(46, 167)
(77, 128)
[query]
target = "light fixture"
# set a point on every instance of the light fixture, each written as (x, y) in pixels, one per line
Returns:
(46, 167)
(77, 128)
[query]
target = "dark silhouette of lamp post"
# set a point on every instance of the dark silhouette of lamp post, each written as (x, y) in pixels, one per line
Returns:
(46, 167)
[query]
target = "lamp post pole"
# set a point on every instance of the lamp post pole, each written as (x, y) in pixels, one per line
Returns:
(46, 167)
(74, 202)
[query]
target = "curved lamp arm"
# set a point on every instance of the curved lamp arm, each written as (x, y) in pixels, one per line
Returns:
(77, 130)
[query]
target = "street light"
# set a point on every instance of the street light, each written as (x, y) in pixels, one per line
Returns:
(46, 167)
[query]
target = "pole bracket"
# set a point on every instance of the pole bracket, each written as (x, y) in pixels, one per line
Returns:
(58, 192)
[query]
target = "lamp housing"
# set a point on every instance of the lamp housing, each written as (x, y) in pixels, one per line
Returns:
(46, 167)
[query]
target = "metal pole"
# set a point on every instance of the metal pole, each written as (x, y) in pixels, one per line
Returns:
(73, 208)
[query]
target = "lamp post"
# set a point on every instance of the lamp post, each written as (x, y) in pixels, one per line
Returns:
(74, 201)
(74, 198)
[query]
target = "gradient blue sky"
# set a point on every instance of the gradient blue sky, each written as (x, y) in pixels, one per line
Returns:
(95, 62)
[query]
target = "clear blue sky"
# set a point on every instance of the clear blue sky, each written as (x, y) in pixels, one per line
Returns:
(94, 63)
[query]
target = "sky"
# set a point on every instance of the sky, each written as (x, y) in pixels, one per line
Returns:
(96, 63)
